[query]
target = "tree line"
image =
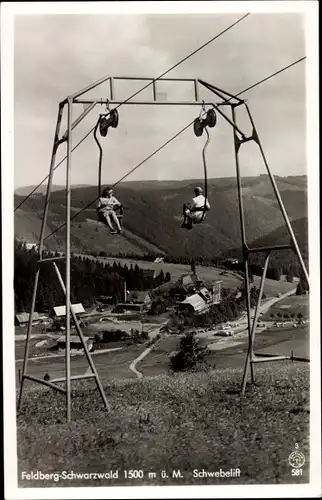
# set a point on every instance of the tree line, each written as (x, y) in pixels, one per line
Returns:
(89, 279)
(281, 262)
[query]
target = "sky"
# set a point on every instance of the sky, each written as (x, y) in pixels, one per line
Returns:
(56, 55)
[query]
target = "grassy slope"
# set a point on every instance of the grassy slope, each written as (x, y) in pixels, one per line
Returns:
(153, 213)
(295, 305)
(187, 421)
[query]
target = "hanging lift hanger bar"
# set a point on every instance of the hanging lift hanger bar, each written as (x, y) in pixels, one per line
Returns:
(169, 103)
(164, 103)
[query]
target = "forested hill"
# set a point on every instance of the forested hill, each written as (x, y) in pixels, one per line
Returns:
(284, 259)
(25, 190)
(153, 214)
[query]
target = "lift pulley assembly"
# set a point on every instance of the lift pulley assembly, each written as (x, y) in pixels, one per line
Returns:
(111, 121)
(200, 123)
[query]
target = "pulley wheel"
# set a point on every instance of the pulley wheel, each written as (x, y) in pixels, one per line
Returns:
(114, 117)
(197, 127)
(103, 126)
(211, 118)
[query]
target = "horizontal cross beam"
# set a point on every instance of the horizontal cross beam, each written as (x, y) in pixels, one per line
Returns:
(50, 259)
(269, 248)
(75, 377)
(147, 103)
(44, 382)
(263, 359)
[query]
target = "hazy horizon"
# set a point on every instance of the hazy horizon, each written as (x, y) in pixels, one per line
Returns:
(197, 179)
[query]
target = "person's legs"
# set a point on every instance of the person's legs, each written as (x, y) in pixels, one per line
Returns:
(116, 221)
(187, 222)
(186, 209)
(108, 220)
(196, 216)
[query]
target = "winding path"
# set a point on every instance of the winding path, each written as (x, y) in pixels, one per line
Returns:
(143, 354)
(138, 359)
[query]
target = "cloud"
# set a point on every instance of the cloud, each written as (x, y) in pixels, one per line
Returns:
(56, 55)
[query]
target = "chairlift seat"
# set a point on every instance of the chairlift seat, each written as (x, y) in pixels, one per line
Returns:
(118, 211)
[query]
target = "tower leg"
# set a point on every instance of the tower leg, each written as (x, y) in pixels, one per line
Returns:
(26, 354)
(67, 253)
(250, 352)
(243, 232)
(41, 244)
(80, 333)
(280, 201)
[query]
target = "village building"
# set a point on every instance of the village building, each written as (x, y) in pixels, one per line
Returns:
(284, 277)
(22, 319)
(231, 261)
(185, 286)
(107, 299)
(206, 295)
(31, 246)
(59, 312)
(190, 284)
(75, 342)
(136, 300)
(216, 292)
(149, 273)
(195, 303)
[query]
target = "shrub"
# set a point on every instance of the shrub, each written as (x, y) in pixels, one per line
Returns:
(191, 355)
(112, 336)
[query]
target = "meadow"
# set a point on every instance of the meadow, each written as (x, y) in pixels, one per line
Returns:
(229, 279)
(169, 422)
(288, 308)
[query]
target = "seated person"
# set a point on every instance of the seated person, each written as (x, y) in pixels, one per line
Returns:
(195, 212)
(106, 206)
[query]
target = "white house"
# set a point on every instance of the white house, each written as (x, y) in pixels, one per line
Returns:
(22, 319)
(30, 246)
(60, 311)
(195, 303)
(205, 294)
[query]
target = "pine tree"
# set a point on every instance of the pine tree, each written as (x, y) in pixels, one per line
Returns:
(302, 286)
(191, 355)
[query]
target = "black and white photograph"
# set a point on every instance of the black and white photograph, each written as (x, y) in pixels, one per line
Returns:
(161, 296)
